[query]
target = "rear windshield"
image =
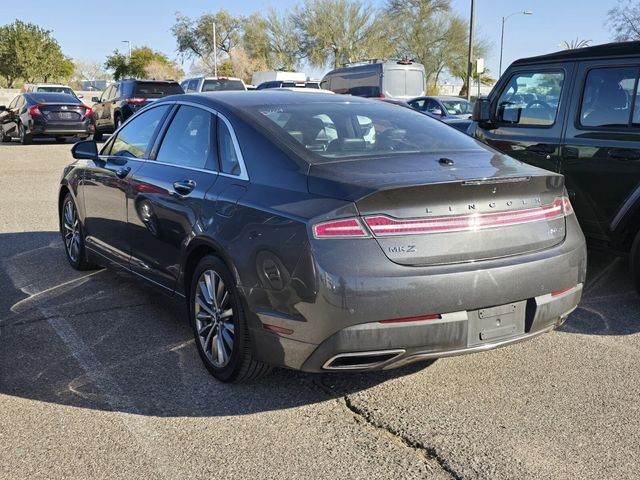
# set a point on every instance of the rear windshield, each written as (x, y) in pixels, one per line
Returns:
(220, 85)
(404, 82)
(329, 131)
(458, 107)
(156, 89)
(46, 97)
(66, 90)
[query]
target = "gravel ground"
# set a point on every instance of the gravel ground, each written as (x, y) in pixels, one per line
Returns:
(99, 378)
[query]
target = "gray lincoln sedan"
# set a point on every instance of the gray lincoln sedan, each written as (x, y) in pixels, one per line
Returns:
(324, 233)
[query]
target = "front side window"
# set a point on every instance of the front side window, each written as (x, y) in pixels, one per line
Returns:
(608, 96)
(134, 138)
(106, 95)
(193, 85)
(531, 99)
(458, 107)
(190, 139)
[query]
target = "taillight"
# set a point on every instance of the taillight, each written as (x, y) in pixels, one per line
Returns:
(566, 206)
(562, 291)
(381, 96)
(382, 225)
(135, 100)
(344, 228)
(87, 112)
(34, 111)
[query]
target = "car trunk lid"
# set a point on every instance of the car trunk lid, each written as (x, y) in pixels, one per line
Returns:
(469, 206)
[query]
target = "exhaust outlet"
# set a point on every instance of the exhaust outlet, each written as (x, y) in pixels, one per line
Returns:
(361, 360)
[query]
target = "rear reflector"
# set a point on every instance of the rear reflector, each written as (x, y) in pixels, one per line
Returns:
(557, 293)
(344, 228)
(381, 225)
(435, 316)
(277, 329)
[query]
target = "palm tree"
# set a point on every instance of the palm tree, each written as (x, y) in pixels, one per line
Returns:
(574, 44)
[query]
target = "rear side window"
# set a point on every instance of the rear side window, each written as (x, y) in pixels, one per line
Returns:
(134, 138)
(531, 99)
(190, 139)
(156, 89)
(608, 96)
(229, 156)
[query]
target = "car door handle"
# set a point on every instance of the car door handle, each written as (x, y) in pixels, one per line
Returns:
(184, 187)
(542, 149)
(123, 172)
(624, 154)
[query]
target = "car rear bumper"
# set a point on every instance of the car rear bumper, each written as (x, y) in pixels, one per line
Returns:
(62, 129)
(353, 296)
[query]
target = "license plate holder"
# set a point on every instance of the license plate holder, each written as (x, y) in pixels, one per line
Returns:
(496, 323)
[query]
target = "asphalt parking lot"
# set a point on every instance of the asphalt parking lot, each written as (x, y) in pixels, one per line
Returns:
(99, 378)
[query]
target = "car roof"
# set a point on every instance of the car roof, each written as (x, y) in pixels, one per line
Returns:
(237, 100)
(53, 96)
(616, 49)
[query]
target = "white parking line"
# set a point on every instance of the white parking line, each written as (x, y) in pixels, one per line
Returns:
(127, 413)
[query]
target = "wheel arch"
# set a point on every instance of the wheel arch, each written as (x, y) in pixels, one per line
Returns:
(198, 248)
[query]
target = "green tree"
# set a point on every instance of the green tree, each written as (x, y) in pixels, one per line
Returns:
(141, 60)
(195, 37)
(283, 41)
(334, 32)
(31, 53)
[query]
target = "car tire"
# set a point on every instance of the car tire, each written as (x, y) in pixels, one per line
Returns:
(220, 325)
(634, 262)
(61, 139)
(117, 122)
(73, 235)
(3, 137)
(97, 137)
(25, 138)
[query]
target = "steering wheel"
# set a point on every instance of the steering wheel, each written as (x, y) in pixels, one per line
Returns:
(539, 102)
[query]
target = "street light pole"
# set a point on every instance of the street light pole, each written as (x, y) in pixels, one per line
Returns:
(129, 43)
(215, 52)
(470, 57)
(504, 19)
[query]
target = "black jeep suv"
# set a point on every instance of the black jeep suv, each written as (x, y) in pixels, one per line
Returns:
(577, 112)
(122, 99)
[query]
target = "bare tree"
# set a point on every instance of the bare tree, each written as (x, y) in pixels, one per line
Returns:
(624, 20)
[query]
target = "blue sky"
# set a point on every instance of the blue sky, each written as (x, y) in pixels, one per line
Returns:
(92, 30)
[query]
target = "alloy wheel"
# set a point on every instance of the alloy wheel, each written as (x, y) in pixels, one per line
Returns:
(214, 316)
(71, 232)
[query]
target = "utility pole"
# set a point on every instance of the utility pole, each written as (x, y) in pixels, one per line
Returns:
(215, 52)
(470, 58)
(129, 43)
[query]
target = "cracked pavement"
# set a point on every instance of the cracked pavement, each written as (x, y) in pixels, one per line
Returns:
(99, 378)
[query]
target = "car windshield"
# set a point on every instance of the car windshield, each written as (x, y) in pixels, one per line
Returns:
(458, 107)
(66, 90)
(222, 84)
(46, 97)
(327, 131)
(156, 89)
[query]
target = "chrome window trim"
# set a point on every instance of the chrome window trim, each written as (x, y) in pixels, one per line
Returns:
(244, 174)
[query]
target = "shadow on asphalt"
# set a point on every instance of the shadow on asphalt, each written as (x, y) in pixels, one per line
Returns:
(98, 340)
(610, 304)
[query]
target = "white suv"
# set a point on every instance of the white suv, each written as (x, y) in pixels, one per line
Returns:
(212, 84)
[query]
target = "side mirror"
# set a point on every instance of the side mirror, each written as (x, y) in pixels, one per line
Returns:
(3, 108)
(95, 99)
(80, 96)
(85, 150)
(482, 111)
